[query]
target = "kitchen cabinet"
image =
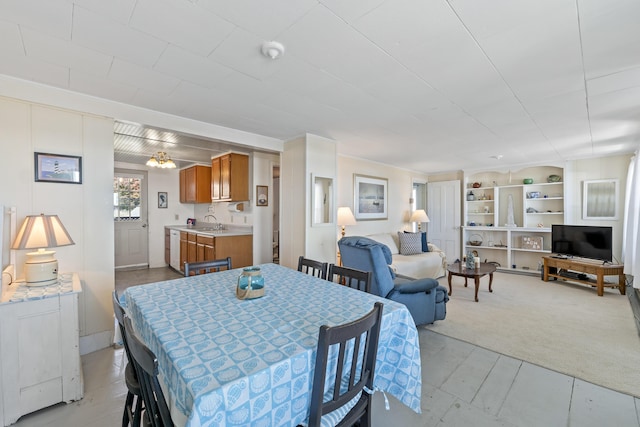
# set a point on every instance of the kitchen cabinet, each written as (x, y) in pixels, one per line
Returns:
(195, 184)
(39, 352)
(516, 243)
(196, 246)
(230, 178)
(205, 249)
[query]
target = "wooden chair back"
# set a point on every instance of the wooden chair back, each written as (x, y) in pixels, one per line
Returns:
(353, 371)
(356, 279)
(312, 267)
(204, 267)
(156, 411)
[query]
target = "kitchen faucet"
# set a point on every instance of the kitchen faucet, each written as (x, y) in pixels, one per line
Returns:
(210, 216)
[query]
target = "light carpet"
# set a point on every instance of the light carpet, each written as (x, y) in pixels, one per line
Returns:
(557, 325)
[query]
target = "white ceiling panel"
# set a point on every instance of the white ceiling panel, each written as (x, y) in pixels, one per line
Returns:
(101, 87)
(105, 35)
(263, 20)
(65, 54)
(159, 17)
(610, 36)
(144, 78)
(190, 67)
(432, 86)
(48, 17)
(10, 40)
(118, 10)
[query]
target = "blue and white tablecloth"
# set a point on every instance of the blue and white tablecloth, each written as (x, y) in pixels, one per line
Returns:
(229, 362)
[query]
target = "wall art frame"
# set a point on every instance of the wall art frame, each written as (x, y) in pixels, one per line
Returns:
(370, 197)
(58, 168)
(163, 200)
(262, 195)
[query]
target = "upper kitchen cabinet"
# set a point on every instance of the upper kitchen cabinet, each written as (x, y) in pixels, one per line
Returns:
(230, 178)
(195, 184)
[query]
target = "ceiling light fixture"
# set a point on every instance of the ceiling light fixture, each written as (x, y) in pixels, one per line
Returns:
(272, 49)
(161, 160)
(497, 157)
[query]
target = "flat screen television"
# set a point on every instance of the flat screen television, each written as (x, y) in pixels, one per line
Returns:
(582, 241)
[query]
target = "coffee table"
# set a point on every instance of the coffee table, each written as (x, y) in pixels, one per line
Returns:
(459, 269)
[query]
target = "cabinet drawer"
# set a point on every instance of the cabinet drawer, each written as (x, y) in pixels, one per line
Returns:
(183, 235)
(205, 240)
(191, 237)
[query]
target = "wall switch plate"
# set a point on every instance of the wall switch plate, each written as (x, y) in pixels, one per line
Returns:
(177, 217)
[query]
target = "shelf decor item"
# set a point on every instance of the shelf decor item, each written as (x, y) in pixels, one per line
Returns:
(527, 181)
(554, 178)
(475, 240)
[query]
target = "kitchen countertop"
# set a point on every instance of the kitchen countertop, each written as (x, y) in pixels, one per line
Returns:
(207, 230)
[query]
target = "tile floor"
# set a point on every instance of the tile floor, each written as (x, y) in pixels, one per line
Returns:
(463, 385)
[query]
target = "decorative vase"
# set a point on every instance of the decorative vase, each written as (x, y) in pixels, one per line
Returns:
(250, 283)
(470, 196)
(470, 262)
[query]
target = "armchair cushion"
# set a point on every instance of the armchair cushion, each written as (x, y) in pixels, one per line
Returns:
(410, 243)
(420, 285)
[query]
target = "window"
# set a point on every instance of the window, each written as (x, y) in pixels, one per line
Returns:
(126, 198)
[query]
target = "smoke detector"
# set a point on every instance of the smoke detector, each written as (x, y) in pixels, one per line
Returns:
(272, 49)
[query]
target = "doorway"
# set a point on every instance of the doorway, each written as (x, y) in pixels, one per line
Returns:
(130, 219)
(445, 213)
(276, 214)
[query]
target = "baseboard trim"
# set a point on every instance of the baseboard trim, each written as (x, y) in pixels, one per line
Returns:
(95, 342)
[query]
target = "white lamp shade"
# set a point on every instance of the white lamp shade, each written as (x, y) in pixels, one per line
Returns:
(419, 215)
(41, 231)
(345, 216)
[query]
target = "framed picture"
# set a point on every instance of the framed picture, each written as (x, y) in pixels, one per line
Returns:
(599, 199)
(262, 195)
(58, 168)
(369, 197)
(163, 200)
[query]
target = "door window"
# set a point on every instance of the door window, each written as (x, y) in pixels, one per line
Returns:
(126, 198)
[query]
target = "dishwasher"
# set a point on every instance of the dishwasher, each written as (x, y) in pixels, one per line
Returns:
(174, 248)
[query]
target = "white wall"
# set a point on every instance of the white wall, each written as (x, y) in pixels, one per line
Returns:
(400, 185)
(84, 209)
(576, 172)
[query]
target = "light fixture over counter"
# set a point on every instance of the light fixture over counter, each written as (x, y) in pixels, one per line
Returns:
(161, 160)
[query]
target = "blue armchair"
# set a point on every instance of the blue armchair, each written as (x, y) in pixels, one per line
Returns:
(425, 298)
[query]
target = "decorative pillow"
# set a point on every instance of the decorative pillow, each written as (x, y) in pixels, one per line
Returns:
(410, 243)
(425, 246)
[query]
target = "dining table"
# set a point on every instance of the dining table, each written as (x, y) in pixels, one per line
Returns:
(224, 361)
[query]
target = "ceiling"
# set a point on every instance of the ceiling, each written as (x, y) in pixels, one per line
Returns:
(426, 85)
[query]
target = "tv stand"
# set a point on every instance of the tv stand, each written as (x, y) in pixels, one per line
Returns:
(576, 271)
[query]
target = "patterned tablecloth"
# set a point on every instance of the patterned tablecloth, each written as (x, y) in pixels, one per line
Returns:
(229, 362)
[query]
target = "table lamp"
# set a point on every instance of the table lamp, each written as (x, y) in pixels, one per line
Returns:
(419, 216)
(345, 217)
(41, 232)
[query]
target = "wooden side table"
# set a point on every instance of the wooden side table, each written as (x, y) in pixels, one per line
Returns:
(458, 269)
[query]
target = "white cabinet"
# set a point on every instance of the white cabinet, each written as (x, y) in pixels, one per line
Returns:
(39, 350)
(517, 242)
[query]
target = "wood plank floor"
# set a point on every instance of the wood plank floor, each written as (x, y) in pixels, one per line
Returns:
(463, 385)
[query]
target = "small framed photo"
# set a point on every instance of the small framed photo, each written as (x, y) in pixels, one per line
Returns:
(262, 195)
(163, 200)
(58, 168)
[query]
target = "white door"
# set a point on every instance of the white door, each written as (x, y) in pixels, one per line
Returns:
(130, 219)
(444, 210)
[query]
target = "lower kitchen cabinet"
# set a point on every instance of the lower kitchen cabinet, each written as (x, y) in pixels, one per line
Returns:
(204, 247)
